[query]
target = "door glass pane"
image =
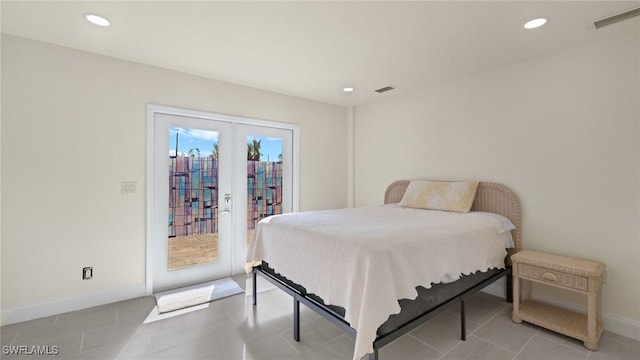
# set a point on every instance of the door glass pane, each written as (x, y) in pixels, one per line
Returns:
(264, 179)
(193, 197)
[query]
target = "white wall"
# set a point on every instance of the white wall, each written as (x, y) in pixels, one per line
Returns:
(560, 130)
(73, 128)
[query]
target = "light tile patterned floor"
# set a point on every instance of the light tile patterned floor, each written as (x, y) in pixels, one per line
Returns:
(232, 329)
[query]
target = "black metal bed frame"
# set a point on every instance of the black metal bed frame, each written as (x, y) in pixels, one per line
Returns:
(335, 318)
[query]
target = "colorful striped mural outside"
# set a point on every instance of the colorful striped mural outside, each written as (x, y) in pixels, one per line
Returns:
(264, 190)
(193, 194)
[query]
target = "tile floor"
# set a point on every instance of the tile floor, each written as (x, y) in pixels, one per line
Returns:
(232, 329)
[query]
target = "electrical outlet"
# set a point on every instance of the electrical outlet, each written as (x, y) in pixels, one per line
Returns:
(87, 273)
(128, 187)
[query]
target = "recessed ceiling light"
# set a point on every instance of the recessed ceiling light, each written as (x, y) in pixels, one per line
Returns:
(348, 89)
(535, 23)
(96, 19)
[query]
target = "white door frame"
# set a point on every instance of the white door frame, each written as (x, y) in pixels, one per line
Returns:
(237, 266)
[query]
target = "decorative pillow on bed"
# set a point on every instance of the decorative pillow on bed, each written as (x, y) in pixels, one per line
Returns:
(456, 196)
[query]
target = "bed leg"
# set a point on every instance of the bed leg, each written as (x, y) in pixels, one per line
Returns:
(255, 287)
(296, 319)
(509, 286)
(463, 327)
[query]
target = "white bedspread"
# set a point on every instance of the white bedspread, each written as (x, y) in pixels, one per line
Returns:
(365, 259)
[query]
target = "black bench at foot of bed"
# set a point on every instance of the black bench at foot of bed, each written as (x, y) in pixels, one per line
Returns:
(413, 312)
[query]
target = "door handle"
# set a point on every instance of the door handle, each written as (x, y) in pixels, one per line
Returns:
(227, 201)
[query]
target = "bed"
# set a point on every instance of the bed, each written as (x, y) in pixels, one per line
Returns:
(341, 263)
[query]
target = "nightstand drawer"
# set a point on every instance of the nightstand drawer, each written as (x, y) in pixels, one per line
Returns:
(554, 277)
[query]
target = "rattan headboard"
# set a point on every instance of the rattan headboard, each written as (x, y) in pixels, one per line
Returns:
(490, 197)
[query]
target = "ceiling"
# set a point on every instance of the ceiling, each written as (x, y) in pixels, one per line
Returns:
(314, 49)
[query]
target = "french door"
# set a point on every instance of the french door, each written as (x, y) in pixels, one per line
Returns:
(211, 179)
(264, 180)
(192, 188)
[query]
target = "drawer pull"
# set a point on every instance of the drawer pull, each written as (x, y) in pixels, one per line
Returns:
(549, 276)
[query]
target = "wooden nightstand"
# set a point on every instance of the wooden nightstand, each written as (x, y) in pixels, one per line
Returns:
(574, 274)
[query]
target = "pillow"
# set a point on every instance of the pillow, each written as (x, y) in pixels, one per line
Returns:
(502, 223)
(456, 196)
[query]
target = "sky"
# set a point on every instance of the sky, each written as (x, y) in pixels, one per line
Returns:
(203, 139)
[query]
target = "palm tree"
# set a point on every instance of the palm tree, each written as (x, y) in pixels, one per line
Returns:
(253, 150)
(214, 153)
(197, 150)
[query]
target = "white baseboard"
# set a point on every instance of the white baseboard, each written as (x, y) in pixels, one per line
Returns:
(36, 311)
(614, 323)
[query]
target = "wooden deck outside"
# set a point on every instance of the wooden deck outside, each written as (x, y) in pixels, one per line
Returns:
(185, 251)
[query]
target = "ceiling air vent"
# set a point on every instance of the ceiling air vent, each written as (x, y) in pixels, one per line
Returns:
(616, 18)
(384, 89)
